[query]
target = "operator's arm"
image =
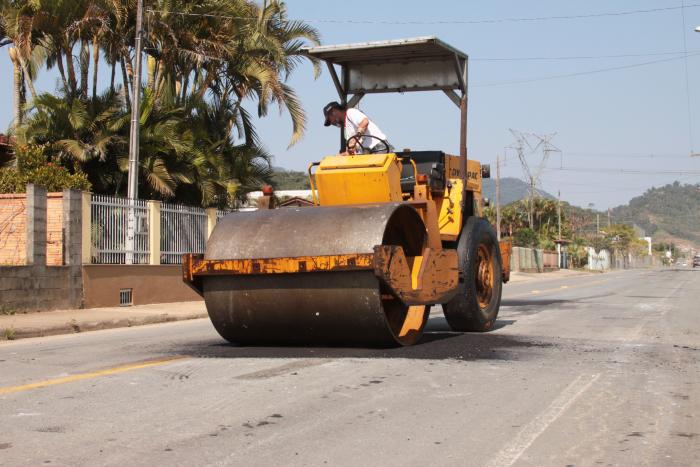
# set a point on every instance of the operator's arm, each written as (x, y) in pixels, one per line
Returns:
(362, 127)
(361, 122)
(361, 130)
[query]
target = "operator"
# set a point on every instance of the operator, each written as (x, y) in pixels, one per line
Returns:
(356, 123)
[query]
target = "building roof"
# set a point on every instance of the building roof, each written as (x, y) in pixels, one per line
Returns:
(296, 201)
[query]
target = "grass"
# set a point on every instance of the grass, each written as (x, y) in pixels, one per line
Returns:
(6, 310)
(9, 334)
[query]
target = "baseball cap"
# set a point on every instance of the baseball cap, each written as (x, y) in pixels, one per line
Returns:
(327, 110)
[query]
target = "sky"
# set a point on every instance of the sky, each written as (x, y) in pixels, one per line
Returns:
(620, 131)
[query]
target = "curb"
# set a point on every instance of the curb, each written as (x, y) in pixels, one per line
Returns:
(74, 327)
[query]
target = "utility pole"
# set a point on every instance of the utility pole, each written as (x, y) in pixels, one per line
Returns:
(498, 198)
(133, 188)
(608, 217)
(559, 213)
(597, 224)
(559, 229)
(133, 180)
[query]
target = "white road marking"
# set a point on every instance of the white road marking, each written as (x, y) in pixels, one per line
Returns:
(530, 432)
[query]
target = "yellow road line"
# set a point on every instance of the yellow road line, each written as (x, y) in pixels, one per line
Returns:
(81, 376)
(558, 289)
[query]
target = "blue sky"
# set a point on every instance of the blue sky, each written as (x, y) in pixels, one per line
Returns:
(604, 121)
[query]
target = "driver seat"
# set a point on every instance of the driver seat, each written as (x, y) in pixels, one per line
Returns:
(430, 163)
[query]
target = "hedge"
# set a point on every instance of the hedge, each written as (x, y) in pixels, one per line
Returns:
(34, 167)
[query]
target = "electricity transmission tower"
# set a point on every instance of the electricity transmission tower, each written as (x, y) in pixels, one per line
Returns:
(527, 145)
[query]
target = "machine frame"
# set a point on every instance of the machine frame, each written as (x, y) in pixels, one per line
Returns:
(396, 66)
(405, 226)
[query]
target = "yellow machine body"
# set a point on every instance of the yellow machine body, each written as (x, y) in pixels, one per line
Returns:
(372, 178)
(376, 178)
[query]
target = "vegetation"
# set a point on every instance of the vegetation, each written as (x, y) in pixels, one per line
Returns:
(512, 189)
(33, 167)
(515, 223)
(206, 62)
(575, 228)
(283, 179)
(666, 213)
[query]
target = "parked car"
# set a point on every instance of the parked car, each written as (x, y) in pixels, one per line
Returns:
(696, 261)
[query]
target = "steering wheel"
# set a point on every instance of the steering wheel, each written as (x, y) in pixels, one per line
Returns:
(365, 150)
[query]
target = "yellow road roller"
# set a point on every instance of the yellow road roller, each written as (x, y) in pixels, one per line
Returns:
(389, 235)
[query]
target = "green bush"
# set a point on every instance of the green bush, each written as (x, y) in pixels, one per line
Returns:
(34, 167)
(525, 237)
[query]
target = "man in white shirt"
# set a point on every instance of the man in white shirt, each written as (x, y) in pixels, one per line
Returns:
(355, 123)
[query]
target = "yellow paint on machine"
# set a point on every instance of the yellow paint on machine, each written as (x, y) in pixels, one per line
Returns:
(453, 170)
(91, 375)
(371, 178)
(450, 212)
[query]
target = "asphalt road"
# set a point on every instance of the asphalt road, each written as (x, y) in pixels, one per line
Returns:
(591, 370)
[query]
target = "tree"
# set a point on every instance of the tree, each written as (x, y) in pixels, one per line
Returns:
(205, 60)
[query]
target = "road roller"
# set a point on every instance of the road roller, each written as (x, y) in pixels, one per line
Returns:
(389, 235)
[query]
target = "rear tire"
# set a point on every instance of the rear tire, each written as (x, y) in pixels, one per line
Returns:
(475, 307)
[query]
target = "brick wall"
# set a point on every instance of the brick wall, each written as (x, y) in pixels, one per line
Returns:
(54, 229)
(13, 229)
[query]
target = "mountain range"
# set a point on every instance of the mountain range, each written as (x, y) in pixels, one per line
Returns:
(670, 213)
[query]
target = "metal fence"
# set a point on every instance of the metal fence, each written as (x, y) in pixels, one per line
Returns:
(110, 231)
(221, 213)
(183, 229)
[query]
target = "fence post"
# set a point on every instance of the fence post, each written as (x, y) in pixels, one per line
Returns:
(36, 225)
(154, 232)
(211, 221)
(86, 227)
(72, 228)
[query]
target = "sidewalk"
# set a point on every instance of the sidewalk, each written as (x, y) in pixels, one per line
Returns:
(558, 274)
(48, 323)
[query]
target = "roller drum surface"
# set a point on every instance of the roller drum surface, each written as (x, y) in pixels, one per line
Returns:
(335, 308)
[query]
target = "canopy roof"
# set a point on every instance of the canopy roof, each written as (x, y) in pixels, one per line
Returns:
(417, 64)
(426, 48)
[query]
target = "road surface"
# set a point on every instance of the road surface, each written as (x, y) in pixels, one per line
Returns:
(587, 370)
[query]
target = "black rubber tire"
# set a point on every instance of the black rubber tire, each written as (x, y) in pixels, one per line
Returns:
(463, 312)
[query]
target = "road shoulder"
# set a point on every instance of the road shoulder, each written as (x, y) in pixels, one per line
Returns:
(49, 323)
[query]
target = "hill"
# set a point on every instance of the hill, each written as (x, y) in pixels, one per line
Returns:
(668, 213)
(512, 189)
(283, 179)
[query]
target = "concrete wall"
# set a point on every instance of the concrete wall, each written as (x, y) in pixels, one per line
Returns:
(149, 284)
(37, 285)
(533, 260)
(598, 260)
(37, 288)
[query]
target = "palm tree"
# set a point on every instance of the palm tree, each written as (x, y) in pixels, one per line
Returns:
(17, 29)
(198, 144)
(83, 136)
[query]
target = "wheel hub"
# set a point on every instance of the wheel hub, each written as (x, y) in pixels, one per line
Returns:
(484, 276)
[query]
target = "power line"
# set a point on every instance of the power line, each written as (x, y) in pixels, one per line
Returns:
(625, 171)
(577, 57)
(632, 156)
(582, 73)
(440, 21)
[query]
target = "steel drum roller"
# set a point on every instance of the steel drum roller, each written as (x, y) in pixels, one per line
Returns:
(350, 307)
